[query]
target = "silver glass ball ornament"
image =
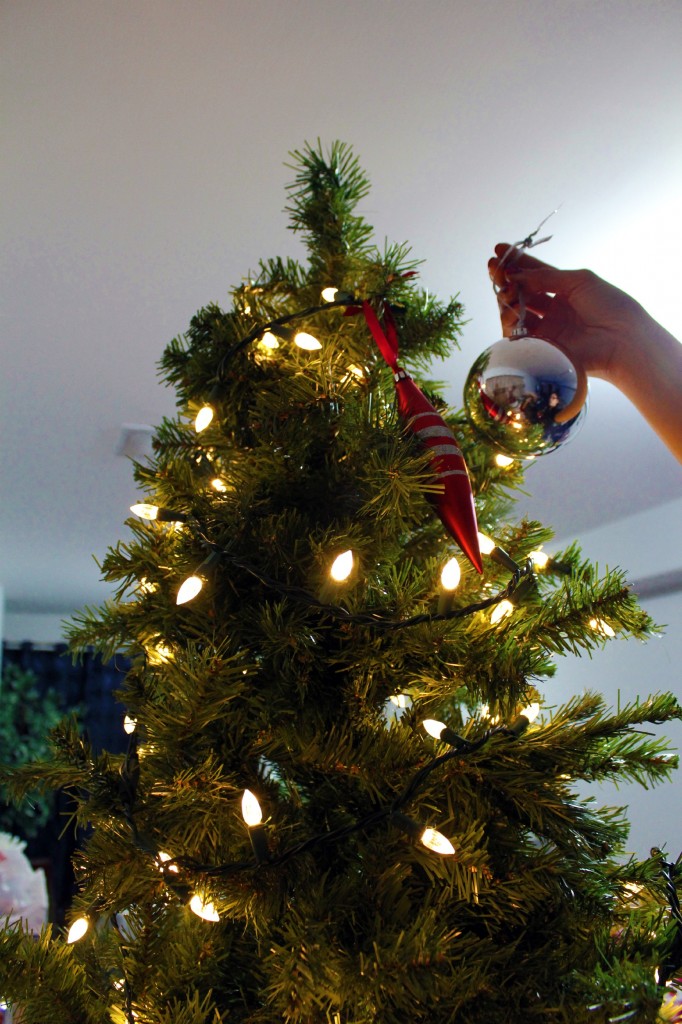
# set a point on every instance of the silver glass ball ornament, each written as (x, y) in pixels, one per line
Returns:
(524, 396)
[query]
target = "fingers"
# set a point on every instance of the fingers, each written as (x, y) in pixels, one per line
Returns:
(536, 308)
(537, 305)
(514, 272)
(531, 274)
(518, 258)
(511, 263)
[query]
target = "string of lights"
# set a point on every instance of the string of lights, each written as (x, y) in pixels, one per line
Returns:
(343, 300)
(391, 811)
(339, 796)
(192, 585)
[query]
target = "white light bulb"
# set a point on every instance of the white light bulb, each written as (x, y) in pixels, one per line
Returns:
(485, 544)
(342, 566)
(599, 626)
(531, 712)
(163, 858)
(450, 575)
(399, 699)
(307, 341)
(204, 417)
(503, 461)
(251, 811)
(159, 654)
(145, 511)
(501, 611)
(78, 929)
(269, 341)
(219, 485)
(329, 294)
(436, 842)
(203, 908)
(145, 749)
(189, 589)
(540, 559)
(433, 727)
(485, 713)
(634, 891)
(129, 724)
(356, 371)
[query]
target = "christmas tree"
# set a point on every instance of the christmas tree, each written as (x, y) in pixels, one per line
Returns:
(337, 803)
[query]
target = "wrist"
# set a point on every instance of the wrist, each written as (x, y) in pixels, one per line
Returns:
(650, 375)
(645, 349)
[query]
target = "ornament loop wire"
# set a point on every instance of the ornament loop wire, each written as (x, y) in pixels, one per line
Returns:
(529, 242)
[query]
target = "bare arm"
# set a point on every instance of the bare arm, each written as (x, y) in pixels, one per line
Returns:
(602, 328)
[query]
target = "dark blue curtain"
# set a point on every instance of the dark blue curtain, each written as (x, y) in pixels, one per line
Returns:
(88, 685)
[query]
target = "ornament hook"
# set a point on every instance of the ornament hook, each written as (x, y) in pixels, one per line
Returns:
(529, 242)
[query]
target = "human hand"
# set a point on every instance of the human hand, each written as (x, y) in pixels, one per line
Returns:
(597, 325)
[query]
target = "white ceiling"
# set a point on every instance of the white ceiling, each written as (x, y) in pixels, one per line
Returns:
(144, 151)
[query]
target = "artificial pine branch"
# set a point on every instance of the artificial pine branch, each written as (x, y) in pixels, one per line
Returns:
(277, 679)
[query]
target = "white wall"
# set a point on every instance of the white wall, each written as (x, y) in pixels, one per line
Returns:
(646, 544)
(38, 628)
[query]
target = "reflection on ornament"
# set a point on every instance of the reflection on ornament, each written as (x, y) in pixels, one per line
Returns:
(525, 397)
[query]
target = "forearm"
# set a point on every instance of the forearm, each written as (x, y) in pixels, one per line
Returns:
(650, 375)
